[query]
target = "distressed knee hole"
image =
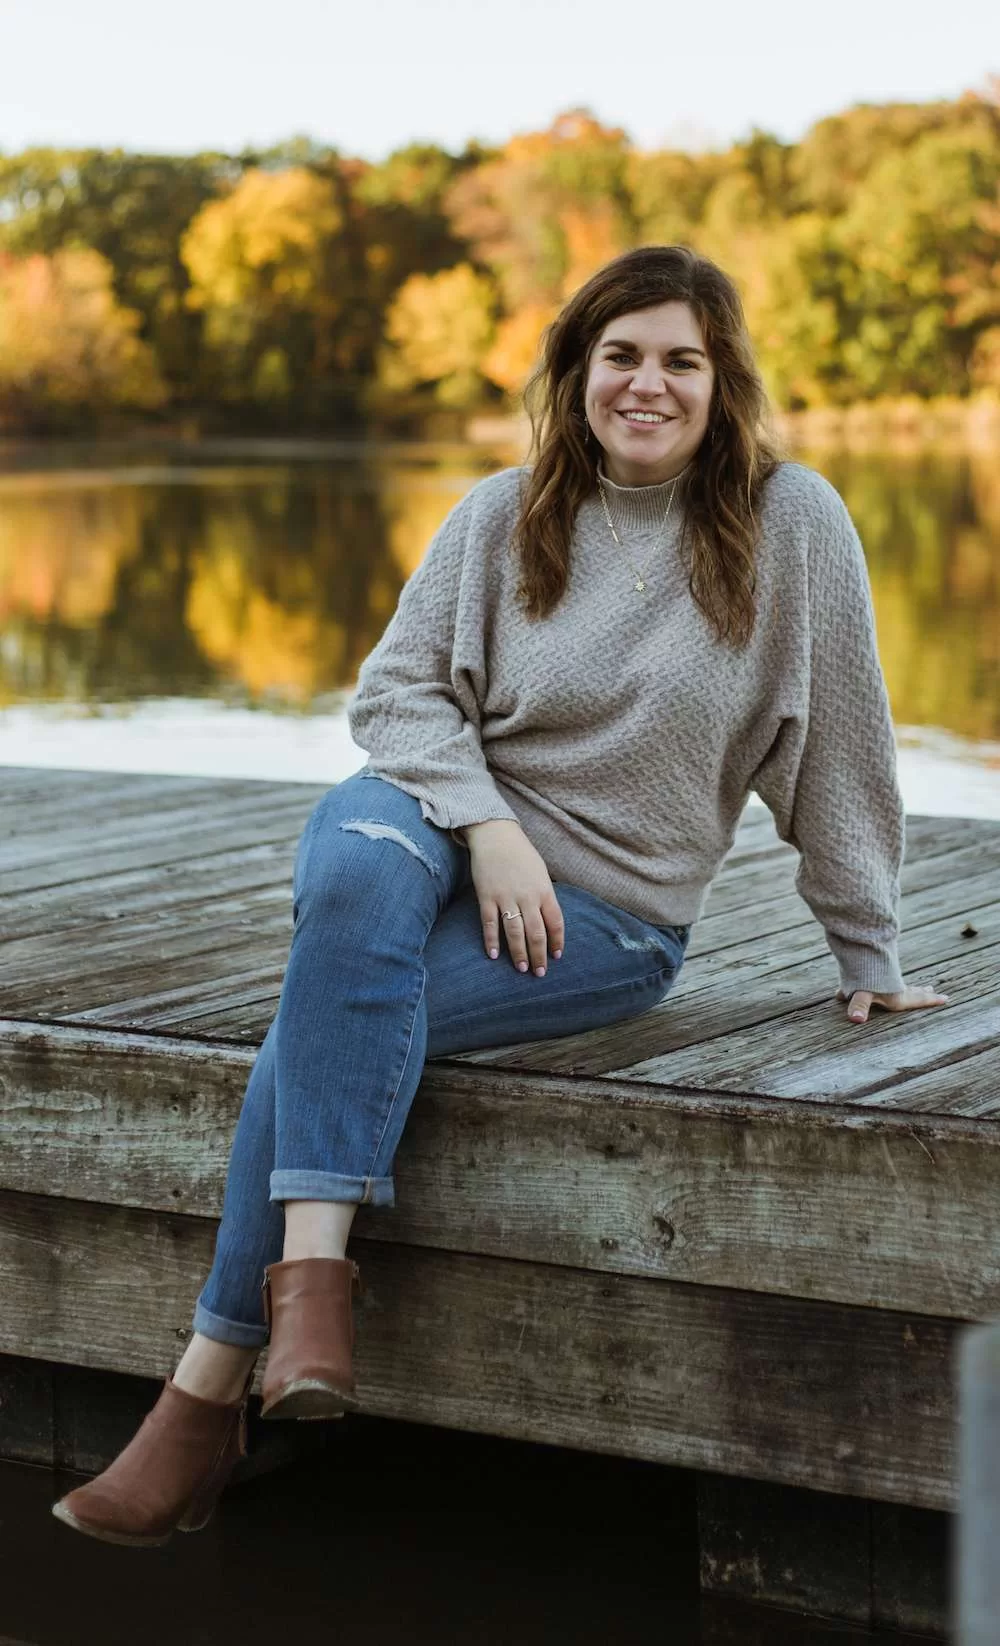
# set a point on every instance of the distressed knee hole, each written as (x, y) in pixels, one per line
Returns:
(385, 831)
(651, 944)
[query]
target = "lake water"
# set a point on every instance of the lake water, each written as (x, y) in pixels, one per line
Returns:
(206, 609)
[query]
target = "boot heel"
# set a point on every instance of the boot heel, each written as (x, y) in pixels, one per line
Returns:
(203, 1505)
(169, 1477)
(310, 1397)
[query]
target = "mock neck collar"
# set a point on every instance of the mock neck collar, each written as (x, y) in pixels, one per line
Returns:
(641, 508)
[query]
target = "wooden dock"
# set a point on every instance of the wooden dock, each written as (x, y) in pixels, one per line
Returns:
(738, 1234)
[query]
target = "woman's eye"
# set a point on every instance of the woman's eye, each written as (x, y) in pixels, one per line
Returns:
(630, 360)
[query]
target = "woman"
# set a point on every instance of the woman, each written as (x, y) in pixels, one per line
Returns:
(598, 659)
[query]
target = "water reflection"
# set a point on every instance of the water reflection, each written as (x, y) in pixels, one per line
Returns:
(931, 529)
(269, 582)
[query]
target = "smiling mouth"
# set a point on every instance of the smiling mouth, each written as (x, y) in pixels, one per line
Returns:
(647, 420)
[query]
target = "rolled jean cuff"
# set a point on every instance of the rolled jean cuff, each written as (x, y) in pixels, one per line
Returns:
(236, 1332)
(362, 1191)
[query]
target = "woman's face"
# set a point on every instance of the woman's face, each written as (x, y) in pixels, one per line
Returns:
(647, 393)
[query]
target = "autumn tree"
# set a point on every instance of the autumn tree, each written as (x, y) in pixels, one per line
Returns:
(133, 209)
(68, 349)
(261, 260)
(541, 215)
(292, 286)
(438, 332)
(401, 214)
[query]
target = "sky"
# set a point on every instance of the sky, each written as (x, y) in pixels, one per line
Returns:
(370, 76)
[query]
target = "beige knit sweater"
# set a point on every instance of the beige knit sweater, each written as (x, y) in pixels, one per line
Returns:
(624, 737)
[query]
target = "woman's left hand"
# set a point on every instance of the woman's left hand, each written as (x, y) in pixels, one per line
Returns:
(909, 999)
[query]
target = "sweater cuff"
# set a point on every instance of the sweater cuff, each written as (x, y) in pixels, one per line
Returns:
(863, 966)
(459, 800)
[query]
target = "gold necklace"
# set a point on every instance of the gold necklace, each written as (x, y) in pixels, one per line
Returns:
(640, 576)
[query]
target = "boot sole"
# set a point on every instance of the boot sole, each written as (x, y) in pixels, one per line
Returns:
(133, 1541)
(129, 1540)
(310, 1399)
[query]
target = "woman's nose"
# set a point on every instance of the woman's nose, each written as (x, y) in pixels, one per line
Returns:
(648, 380)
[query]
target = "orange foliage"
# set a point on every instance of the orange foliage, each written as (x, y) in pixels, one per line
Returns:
(593, 235)
(266, 236)
(510, 360)
(65, 341)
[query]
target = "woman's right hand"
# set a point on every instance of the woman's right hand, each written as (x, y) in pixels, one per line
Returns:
(508, 873)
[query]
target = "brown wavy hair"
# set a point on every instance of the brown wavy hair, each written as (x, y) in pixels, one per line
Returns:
(724, 486)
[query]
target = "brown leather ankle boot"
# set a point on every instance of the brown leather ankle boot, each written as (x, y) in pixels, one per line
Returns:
(168, 1477)
(307, 1302)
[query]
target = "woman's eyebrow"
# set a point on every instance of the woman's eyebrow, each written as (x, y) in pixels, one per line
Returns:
(678, 348)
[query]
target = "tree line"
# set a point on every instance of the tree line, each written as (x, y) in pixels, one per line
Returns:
(295, 288)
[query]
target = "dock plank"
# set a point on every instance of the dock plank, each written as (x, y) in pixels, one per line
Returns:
(135, 893)
(160, 842)
(752, 1016)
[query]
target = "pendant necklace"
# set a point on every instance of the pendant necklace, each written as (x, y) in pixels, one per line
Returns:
(640, 575)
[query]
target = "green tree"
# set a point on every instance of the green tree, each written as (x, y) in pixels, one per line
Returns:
(837, 153)
(915, 226)
(793, 311)
(669, 191)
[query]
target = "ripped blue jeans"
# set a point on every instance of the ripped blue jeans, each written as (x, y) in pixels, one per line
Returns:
(387, 968)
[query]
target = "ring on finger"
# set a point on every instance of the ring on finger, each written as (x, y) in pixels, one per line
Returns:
(510, 914)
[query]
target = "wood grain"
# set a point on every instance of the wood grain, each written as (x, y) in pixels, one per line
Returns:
(839, 1399)
(867, 1209)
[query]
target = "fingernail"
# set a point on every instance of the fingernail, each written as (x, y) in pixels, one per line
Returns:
(857, 1017)
(539, 971)
(522, 965)
(557, 954)
(494, 954)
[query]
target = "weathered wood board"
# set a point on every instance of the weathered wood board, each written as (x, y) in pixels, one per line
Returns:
(879, 1210)
(815, 1394)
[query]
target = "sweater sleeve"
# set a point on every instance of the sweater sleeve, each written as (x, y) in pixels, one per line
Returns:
(416, 707)
(829, 778)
